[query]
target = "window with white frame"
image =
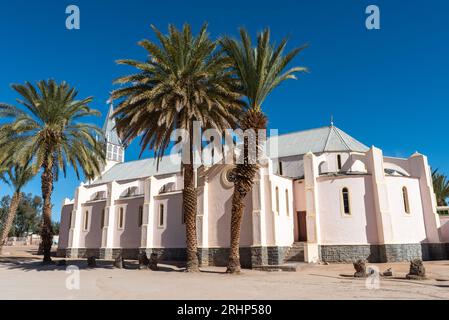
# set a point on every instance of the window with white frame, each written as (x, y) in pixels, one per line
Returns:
(287, 207)
(277, 199)
(140, 216)
(346, 201)
(86, 220)
(338, 162)
(121, 218)
(405, 199)
(161, 216)
(103, 217)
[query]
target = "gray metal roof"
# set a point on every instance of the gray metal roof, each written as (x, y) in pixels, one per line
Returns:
(139, 169)
(319, 140)
(296, 144)
(109, 130)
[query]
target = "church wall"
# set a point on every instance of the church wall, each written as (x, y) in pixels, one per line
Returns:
(401, 165)
(91, 238)
(407, 228)
(300, 195)
(282, 218)
(129, 236)
(64, 226)
(444, 228)
(338, 228)
(219, 213)
(173, 233)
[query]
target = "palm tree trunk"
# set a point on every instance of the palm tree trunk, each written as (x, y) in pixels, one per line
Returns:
(16, 198)
(243, 184)
(46, 230)
(244, 176)
(189, 203)
(189, 206)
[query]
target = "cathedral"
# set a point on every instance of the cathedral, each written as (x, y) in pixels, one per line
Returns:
(324, 196)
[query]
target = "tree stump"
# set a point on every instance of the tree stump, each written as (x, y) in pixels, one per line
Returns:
(153, 262)
(360, 269)
(143, 261)
(119, 262)
(61, 263)
(417, 270)
(91, 262)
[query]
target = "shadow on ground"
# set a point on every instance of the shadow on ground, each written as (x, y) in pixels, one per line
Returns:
(34, 263)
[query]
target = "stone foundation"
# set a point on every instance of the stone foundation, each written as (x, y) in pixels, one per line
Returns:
(263, 256)
(384, 253)
(249, 256)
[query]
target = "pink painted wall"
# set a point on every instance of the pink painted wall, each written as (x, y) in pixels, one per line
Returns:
(407, 228)
(173, 233)
(336, 228)
(220, 206)
(401, 165)
(64, 226)
(444, 228)
(92, 237)
(130, 236)
(283, 219)
(300, 195)
(299, 205)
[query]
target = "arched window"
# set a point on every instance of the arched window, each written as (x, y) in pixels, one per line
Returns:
(346, 201)
(140, 216)
(339, 162)
(121, 218)
(287, 207)
(281, 169)
(277, 200)
(103, 213)
(161, 215)
(86, 220)
(405, 198)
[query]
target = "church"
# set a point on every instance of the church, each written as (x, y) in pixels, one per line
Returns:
(325, 196)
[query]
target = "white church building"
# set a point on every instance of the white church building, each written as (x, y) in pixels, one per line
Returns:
(324, 197)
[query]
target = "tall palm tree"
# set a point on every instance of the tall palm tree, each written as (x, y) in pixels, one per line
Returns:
(17, 177)
(440, 187)
(47, 130)
(260, 69)
(184, 79)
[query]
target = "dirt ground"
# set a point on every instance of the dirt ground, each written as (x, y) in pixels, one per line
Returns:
(22, 276)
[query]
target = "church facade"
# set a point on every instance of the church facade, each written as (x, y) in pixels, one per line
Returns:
(324, 197)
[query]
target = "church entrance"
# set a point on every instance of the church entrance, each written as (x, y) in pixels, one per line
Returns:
(300, 226)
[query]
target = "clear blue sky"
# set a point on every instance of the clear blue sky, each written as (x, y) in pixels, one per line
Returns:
(387, 88)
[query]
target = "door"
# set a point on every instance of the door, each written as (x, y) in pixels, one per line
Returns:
(302, 226)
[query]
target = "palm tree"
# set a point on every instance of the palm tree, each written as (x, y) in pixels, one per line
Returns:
(184, 79)
(46, 129)
(260, 69)
(440, 187)
(17, 178)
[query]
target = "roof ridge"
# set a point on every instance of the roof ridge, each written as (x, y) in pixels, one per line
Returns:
(328, 138)
(341, 138)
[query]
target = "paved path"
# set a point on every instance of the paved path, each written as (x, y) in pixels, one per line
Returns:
(23, 276)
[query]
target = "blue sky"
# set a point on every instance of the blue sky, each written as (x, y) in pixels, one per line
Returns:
(387, 87)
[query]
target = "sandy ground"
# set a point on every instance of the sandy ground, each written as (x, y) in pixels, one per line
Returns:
(22, 276)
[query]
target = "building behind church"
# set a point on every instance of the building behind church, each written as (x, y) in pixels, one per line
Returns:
(325, 196)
